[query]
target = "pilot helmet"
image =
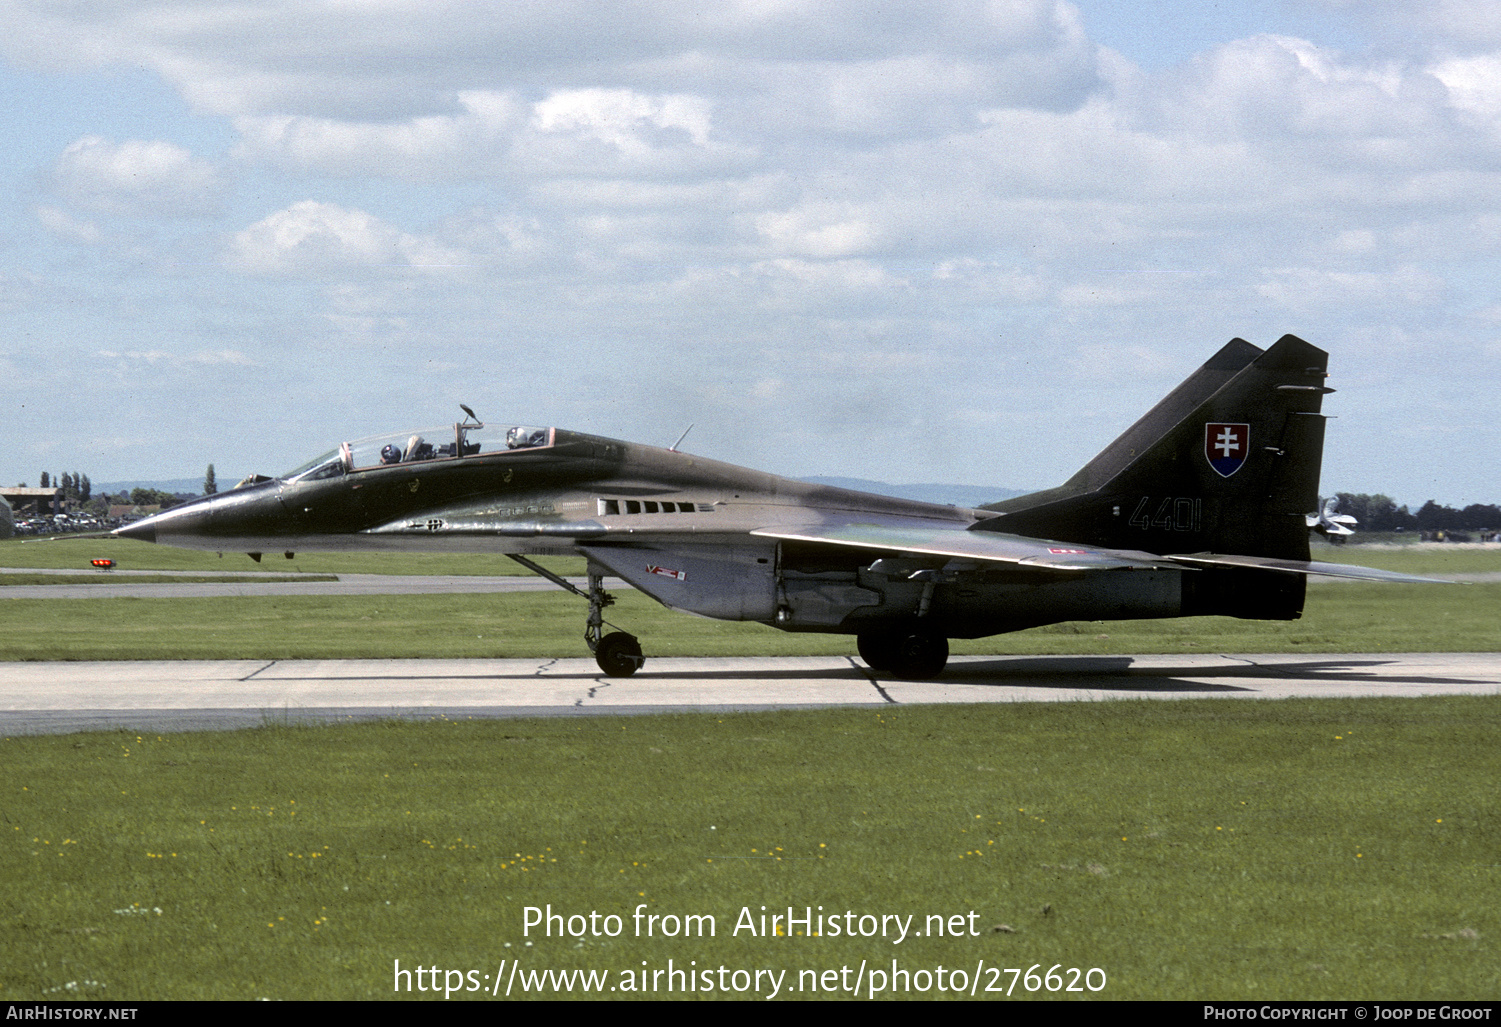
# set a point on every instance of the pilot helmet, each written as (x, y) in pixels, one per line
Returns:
(389, 454)
(516, 438)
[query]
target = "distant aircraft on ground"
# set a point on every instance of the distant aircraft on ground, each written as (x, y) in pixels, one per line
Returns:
(1202, 507)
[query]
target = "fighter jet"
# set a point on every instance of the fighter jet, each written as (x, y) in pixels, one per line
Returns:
(1202, 507)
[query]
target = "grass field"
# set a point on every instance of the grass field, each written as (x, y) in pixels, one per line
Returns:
(1191, 849)
(1338, 618)
(64, 552)
(1345, 617)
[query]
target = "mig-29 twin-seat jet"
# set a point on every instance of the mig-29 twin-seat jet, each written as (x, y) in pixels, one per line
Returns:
(1203, 506)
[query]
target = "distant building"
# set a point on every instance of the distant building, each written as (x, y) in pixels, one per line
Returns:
(34, 502)
(126, 512)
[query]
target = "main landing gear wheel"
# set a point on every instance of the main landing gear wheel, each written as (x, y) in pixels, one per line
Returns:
(903, 652)
(877, 648)
(918, 655)
(618, 654)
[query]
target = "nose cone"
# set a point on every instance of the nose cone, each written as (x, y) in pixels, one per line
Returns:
(186, 521)
(141, 531)
(253, 517)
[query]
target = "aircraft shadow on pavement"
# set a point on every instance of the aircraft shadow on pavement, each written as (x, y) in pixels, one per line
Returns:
(1087, 672)
(1093, 673)
(1125, 673)
(1100, 673)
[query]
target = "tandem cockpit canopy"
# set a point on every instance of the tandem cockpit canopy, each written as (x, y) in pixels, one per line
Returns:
(466, 438)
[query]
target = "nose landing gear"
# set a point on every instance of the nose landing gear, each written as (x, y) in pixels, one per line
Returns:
(618, 653)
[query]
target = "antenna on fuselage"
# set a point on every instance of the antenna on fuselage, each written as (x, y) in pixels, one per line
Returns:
(674, 447)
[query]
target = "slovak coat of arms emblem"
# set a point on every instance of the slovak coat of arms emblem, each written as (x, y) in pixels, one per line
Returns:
(1226, 447)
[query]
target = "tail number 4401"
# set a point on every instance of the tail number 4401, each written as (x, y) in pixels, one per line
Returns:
(1171, 513)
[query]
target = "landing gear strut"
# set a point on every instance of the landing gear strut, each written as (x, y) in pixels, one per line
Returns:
(618, 653)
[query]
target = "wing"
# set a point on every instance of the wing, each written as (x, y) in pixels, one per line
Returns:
(891, 535)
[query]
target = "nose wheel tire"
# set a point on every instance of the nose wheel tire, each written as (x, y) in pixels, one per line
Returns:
(619, 654)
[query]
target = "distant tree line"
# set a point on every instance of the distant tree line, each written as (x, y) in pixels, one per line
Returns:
(1381, 513)
(75, 487)
(150, 497)
(79, 492)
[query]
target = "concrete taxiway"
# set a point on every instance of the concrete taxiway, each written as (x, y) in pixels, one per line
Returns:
(202, 695)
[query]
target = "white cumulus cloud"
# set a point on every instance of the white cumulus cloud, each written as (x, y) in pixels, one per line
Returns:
(137, 177)
(1474, 84)
(61, 223)
(437, 146)
(322, 237)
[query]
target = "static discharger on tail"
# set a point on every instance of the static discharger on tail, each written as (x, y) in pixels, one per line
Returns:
(1201, 507)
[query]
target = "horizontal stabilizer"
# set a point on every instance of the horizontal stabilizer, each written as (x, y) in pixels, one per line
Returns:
(1331, 570)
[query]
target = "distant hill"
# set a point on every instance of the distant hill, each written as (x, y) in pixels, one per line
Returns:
(953, 495)
(192, 486)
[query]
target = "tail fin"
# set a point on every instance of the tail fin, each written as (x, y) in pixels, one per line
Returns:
(1227, 463)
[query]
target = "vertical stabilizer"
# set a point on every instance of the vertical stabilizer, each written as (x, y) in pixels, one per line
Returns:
(1227, 463)
(1236, 355)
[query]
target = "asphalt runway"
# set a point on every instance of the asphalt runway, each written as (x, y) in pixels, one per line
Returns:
(222, 694)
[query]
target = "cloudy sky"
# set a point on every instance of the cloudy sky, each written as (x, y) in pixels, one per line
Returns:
(948, 240)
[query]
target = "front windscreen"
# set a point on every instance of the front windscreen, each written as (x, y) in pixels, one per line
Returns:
(318, 463)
